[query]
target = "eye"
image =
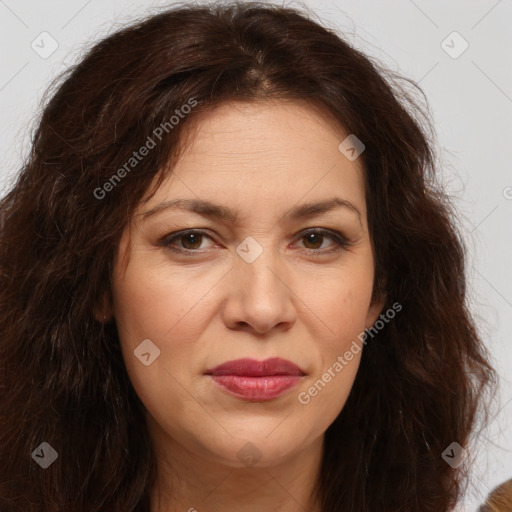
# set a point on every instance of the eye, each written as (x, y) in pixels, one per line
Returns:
(314, 238)
(187, 241)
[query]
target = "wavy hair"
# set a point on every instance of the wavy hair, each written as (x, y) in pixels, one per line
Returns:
(422, 380)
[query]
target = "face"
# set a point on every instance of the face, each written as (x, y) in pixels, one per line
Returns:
(242, 269)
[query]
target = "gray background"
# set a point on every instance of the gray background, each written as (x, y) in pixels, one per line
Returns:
(470, 96)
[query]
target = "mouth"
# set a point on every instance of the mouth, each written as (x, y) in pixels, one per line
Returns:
(254, 380)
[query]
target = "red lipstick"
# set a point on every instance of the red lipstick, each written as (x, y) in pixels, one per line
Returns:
(256, 380)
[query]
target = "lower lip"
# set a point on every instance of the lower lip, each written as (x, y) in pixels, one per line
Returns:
(256, 388)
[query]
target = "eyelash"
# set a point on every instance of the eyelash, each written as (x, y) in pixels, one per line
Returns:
(340, 241)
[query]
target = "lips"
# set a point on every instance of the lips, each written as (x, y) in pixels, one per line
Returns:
(253, 368)
(254, 380)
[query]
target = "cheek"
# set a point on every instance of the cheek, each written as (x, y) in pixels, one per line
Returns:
(341, 307)
(160, 302)
(170, 309)
(341, 304)
(152, 306)
(339, 354)
(326, 393)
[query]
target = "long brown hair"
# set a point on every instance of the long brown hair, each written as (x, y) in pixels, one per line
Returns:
(422, 379)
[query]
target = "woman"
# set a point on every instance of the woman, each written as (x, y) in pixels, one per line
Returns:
(229, 280)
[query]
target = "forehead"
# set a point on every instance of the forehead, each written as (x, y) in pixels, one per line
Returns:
(262, 150)
(258, 127)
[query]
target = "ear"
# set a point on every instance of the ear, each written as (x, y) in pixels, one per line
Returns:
(375, 309)
(103, 309)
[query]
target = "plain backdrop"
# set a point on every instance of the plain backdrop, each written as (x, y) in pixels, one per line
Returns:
(459, 53)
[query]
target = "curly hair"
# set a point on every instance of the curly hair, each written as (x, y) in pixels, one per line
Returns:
(422, 380)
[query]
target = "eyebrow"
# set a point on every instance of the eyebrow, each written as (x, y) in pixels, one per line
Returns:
(212, 210)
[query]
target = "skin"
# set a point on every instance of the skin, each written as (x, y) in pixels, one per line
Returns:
(260, 159)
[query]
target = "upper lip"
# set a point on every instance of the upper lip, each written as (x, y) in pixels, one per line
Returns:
(253, 368)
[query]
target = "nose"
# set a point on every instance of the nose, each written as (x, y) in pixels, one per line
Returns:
(260, 296)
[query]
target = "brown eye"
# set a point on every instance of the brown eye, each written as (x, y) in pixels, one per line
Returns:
(191, 240)
(314, 240)
(184, 241)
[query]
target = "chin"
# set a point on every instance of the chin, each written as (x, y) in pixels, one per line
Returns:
(256, 449)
